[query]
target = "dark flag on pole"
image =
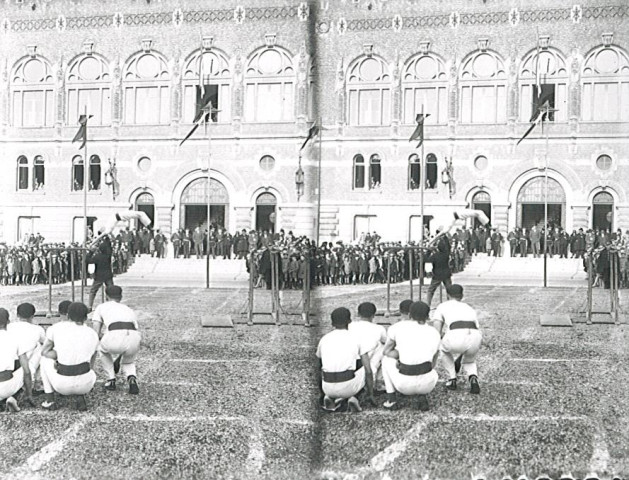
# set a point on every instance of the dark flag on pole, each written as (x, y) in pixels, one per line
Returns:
(206, 96)
(418, 134)
(313, 132)
(82, 133)
(542, 101)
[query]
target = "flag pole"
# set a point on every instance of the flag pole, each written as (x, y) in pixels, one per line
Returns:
(422, 181)
(209, 185)
(86, 167)
(545, 200)
(319, 184)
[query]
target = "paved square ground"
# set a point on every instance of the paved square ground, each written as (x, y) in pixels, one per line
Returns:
(242, 402)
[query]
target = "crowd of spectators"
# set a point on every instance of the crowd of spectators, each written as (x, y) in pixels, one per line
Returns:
(34, 261)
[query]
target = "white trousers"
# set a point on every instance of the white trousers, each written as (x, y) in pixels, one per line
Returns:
(406, 384)
(464, 342)
(375, 360)
(346, 389)
(11, 387)
(53, 382)
(119, 342)
(34, 358)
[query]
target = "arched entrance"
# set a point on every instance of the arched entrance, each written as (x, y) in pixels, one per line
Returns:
(146, 203)
(530, 204)
(481, 201)
(194, 200)
(266, 215)
(603, 211)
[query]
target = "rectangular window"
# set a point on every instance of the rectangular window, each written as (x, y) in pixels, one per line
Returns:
(78, 228)
(39, 178)
(363, 224)
(27, 226)
(22, 177)
(129, 106)
(250, 103)
(288, 103)
(34, 109)
(359, 175)
(413, 176)
(369, 107)
(466, 105)
(375, 175)
(483, 104)
(353, 107)
(624, 102)
(501, 104)
(443, 105)
(164, 105)
(606, 102)
(147, 105)
(269, 102)
(561, 102)
(586, 102)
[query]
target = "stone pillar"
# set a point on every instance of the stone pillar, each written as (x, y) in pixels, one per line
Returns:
(298, 218)
(512, 93)
(116, 95)
(340, 96)
(622, 217)
(242, 218)
(164, 219)
(500, 216)
(453, 80)
(237, 94)
(574, 92)
(60, 95)
(4, 98)
(301, 104)
(175, 107)
(396, 98)
(580, 216)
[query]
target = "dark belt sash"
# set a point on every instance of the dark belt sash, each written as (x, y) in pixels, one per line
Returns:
(6, 375)
(462, 324)
(121, 326)
(73, 370)
(337, 377)
(414, 370)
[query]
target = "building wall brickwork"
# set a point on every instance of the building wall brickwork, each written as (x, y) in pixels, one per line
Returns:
(327, 37)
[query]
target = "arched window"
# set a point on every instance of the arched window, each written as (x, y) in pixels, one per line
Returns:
(483, 89)
(215, 69)
(414, 172)
(77, 173)
(89, 87)
(552, 70)
(39, 178)
(369, 92)
(32, 93)
(375, 171)
(146, 90)
(431, 171)
(359, 171)
(95, 172)
(22, 173)
(606, 86)
(481, 201)
(270, 87)
(603, 211)
(424, 84)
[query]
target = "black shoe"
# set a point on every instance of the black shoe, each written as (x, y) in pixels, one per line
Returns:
(474, 386)
(133, 385)
(422, 403)
(117, 364)
(451, 384)
(110, 385)
(80, 404)
(457, 364)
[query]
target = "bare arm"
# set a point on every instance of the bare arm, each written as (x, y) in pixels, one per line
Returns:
(368, 376)
(28, 380)
(390, 351)
(98, 326)
(48, 350)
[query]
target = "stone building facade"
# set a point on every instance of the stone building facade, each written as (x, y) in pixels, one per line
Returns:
(364, 68)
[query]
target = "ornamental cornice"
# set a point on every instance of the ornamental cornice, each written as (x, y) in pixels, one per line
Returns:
(396, 21)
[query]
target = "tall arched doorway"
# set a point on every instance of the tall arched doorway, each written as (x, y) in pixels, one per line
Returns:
(266, 215)
(603, 211)
(194, 200)
(481, 201)
(530, 210)
(146, 203)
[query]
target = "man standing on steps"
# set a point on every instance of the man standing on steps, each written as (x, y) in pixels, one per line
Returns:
(121, 338)
(410, 352)
(345, 369)
(457, 323)
(197, 240)
(535, 237)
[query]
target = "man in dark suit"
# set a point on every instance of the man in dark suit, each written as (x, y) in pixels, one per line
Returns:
(103, 273)
(441, 273)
